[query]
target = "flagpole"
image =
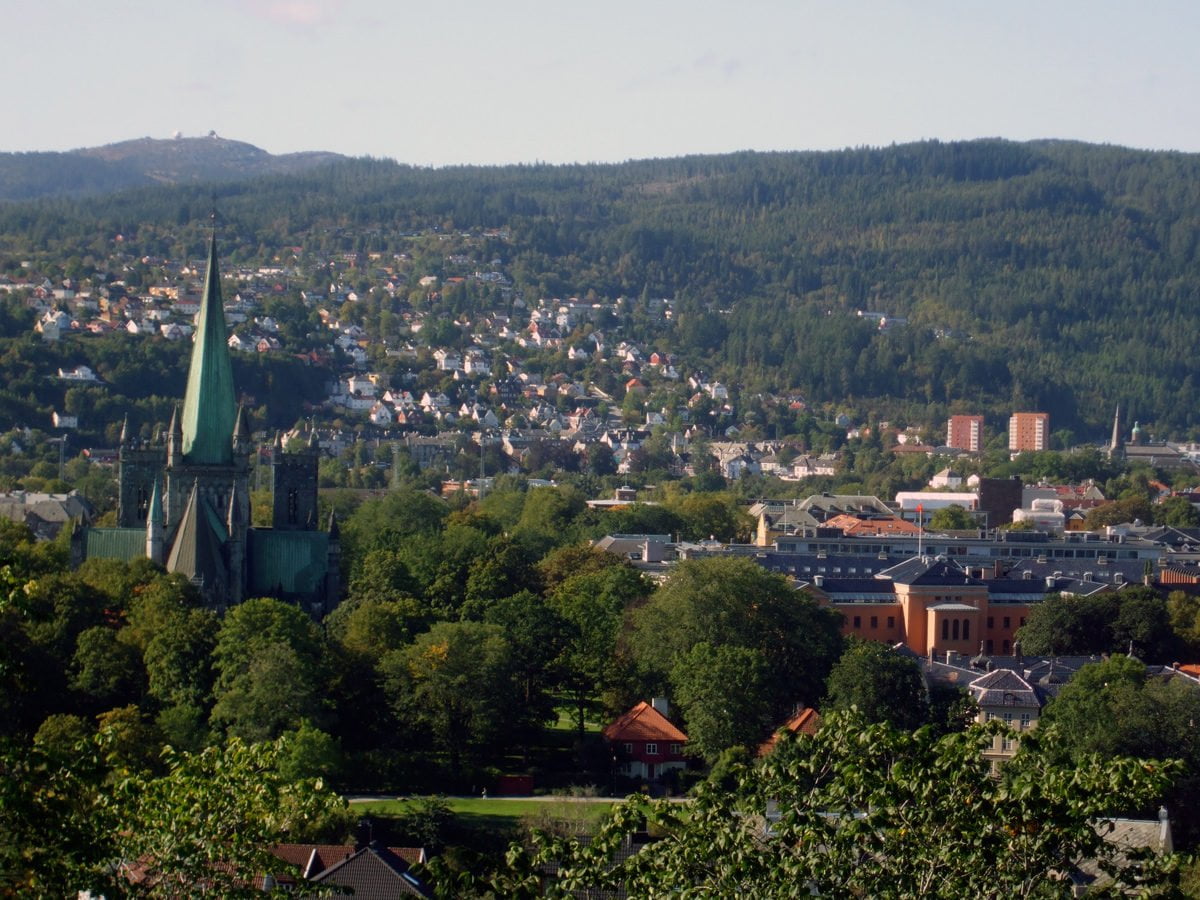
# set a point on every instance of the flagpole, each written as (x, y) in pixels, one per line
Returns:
(920, 529)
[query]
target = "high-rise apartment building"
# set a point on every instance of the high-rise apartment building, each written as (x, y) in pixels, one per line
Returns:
(965, 433)
(1028, 431)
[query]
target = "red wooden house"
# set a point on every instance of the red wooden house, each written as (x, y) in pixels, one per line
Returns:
(645, 743)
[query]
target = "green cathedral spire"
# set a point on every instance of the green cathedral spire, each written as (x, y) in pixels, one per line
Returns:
(209, 405)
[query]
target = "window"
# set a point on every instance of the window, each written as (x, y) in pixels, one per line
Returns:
(874, 621)
(676, 749)
(991, 622)
(1005, 650)
(891, 621)
(858, 621)
(628, 748)
(1022, 621)
(1007, 624)
(966, 629)
(989, 646)
(945, 629)
(1026, 721)
(652, 749)
(955, 629)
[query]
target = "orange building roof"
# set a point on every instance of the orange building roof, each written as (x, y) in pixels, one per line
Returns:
(858, 527)
(644, 723)
(806, 721)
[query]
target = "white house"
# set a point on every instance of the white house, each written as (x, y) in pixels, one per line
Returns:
(79, 373)
(447, 360)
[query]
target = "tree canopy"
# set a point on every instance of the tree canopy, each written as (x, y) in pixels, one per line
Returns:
(865, 810)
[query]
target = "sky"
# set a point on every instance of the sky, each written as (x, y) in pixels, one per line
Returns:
(452, 82)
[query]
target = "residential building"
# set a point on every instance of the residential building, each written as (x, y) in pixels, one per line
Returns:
(965, 433)
(1028, 431)
(370, 871)
(645, 742)
(1004, 695)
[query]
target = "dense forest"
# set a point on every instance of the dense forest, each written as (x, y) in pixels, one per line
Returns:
(1045, 275)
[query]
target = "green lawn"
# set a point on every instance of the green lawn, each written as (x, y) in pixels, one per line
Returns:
(500, 814)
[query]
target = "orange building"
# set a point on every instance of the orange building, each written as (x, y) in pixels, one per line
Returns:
(1028, 431)
(965, 433)
(871, 526)
(931, 606)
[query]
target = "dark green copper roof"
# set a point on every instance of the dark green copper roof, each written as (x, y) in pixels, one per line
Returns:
(115, 543)
(289, 562)
(209, 406)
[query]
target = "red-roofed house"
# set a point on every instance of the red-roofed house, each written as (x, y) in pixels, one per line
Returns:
(805, 721)
(878, 526)
(647, 742)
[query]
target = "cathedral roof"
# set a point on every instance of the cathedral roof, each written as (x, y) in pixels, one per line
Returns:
(209, 405)
(196, 552)
(287, 562)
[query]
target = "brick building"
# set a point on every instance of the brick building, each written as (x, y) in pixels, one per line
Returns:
(1028, 431)
(965, 433)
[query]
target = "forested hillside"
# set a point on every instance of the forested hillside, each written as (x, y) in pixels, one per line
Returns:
(1047, 275)
(141, 162)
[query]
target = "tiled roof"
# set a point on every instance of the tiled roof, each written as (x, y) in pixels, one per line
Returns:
(924, 570)
(806, 721)
(312, 859)
(1004, 687)
(643, 723)
(374, 873)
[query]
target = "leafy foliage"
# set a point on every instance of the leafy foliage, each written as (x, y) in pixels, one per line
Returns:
(865, 810)
(1102, 623)
(881, 684)
(732, 602)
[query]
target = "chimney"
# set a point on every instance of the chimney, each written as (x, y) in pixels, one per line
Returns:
(661, 705)
(1050, 582)
(949, 657)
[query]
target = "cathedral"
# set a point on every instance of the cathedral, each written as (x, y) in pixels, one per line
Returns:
(184, 497)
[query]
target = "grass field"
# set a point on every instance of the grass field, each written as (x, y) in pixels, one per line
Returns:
(496, 814)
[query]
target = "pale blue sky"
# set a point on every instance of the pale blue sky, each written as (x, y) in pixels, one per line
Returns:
(464, 81)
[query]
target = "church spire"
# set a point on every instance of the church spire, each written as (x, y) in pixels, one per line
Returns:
(1116, 448)
(154, 526)
(209, 405)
